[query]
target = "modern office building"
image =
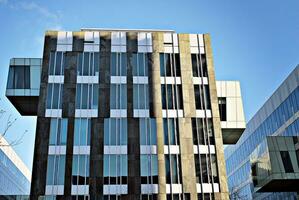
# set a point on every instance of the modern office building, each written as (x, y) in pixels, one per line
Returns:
(14, 175)
(127, 114)
(264, 164)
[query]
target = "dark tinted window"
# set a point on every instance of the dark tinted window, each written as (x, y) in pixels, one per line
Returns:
(222, 108)
(19, 77)
(286, 160)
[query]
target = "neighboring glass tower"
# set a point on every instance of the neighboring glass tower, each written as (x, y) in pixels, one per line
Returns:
(277, 117)
(14, 175)
(127, 114)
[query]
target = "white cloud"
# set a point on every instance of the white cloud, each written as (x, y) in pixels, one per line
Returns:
(43, 11)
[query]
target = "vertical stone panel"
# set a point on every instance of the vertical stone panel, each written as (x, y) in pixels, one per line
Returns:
(104, 73)
(96, 180)
(186, 76)
(134, 181)
(69, 105)
(216, 120)
(156, 109)
(40, 158)
(185, 126)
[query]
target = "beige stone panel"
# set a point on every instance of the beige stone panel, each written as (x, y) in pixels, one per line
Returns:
(216, 119)
(186, 76)
(187, 157)
(157, 110)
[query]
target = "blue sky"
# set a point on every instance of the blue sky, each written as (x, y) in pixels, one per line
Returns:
(254, 41)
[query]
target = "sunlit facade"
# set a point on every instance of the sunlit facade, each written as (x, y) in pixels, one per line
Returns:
(128, 114)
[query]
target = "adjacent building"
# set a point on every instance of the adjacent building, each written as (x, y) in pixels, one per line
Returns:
(127, 114)
(264, 162)
(14, 175)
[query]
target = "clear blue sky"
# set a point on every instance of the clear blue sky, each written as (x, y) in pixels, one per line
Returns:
(256, 42)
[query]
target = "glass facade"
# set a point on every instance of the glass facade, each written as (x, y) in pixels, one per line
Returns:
(238, 156)
(12, 180)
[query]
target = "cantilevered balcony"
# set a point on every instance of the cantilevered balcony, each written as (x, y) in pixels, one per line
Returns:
(23, 84)
(231, 111)
(274, 165)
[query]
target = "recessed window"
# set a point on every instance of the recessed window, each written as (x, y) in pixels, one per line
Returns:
(115, 169)
(222, 108)
(202, 130)
(172, 97)
(87, 96)
(118, 96)
(149, 169)
(115, 132)
(173, 168)
(82, 132)
(88, 64)
(148, 131)
(56, 66)
(140, 96)
(118, 64)
(55, 170)
(140, 63)
(199, 65)
(54, 96)
(170, 64)
(58, 131)
(171, 131)
(80, 170)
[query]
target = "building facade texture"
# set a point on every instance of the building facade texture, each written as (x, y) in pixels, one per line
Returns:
(126, 114)
(14, 175)
(277, 117)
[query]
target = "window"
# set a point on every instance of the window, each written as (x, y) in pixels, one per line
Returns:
(149, 169)
(118, 64)
(149, 197)
(82, 132)
(286, 160)
(148, 131)
(80, 170)
(222, 108)
(202, 97)
(58, 131)
(170, 64)
(115, 131)
(19, 77)
(140, 63)
(199, 65)
(88, 64)
(172, 168)
(56, 63)
(141, 96)
(118, 96)
(202, 130)
(55, 170)
(115, 169)
(171, 131)
(54, 96)
(172, 97)
(87, 96)
(206, 168)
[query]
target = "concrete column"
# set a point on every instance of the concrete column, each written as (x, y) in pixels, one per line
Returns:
(185, 125)
(216, 122)
(156, 109)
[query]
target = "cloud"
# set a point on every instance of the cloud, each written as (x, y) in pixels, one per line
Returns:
(33, 7)
(43, 11)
